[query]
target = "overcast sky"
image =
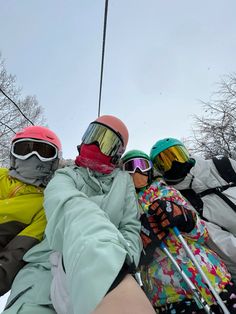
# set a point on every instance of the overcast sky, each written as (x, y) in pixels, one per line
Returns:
(161, 58)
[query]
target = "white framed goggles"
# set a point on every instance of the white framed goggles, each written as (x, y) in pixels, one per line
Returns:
(133, 164)
(26, 147)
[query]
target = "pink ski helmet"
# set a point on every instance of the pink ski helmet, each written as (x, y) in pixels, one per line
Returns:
(39, 133)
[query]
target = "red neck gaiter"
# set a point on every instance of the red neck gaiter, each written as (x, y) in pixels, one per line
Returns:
(91, 157)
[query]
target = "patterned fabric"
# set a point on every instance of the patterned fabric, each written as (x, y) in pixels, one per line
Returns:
(187, 306)
(228, 295)
(159, 190)
(190, 306)
(162, 283)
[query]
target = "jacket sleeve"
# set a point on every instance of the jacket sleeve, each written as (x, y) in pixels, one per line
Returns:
(130, 225)
(222, 241)
(11, 256)
(93, 249)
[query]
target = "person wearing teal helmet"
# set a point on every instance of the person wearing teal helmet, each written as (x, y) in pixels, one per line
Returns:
(209, 192)
(161, 208)
(171, 158)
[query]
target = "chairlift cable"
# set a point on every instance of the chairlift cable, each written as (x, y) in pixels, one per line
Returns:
(18, 108)
(103, 54)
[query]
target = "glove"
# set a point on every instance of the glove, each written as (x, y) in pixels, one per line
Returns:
(151, 231)
(152, 235)
(168, 214)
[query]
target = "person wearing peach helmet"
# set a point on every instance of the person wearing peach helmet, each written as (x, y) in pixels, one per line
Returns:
(101, 212)
(92, 235)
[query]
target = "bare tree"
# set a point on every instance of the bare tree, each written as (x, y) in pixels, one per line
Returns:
(13, 118)
(214, 133)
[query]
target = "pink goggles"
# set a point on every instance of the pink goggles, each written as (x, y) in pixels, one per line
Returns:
(137, 163)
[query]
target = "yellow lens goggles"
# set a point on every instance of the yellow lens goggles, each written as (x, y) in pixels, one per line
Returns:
(109, 142)
(163, 161)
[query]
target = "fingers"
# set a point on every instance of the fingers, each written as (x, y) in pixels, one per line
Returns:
(177, 210)
(155, 209)
(165, 223)
(154, 206)
(145, 239)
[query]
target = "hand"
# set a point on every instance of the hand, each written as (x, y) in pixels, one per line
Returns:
(152, 236)
(151, 231)
(168, 214)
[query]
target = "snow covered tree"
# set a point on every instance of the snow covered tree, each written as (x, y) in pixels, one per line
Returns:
(214, 133)
(14, 117)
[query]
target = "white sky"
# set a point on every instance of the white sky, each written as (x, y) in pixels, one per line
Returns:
(161, 58)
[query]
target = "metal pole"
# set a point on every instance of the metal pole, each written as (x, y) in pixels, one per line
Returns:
(197, 295)
(205, 278)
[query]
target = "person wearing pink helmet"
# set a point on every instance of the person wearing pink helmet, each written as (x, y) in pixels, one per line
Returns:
(102, 249)
(34, 156)
(92, 236)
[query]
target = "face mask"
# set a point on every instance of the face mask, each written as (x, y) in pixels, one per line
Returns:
(140, 180)
(91, 157)
(178, 171)
(32, 171)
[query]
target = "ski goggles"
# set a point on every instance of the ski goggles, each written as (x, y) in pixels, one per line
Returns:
(24, 148)
(163, 161)
(137, 163)
(109, 142)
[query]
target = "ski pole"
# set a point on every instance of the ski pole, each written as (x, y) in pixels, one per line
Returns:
(196, 294)
(205, 278)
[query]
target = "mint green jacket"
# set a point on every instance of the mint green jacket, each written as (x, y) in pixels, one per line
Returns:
(32, 283)
(93, 223)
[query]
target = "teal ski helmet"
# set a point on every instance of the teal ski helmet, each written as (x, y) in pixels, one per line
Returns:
(166, 152)
(162, 145)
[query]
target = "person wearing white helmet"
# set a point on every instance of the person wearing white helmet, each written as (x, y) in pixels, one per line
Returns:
(93, 232)
(34, 156)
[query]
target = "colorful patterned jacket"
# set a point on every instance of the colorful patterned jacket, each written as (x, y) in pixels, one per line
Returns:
(162, 283)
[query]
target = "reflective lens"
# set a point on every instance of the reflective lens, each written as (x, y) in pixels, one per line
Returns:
(108, 141)
(24, 148)
(137, 163)
(164, 160)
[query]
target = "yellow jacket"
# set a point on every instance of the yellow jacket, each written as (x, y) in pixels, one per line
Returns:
(22, 224)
